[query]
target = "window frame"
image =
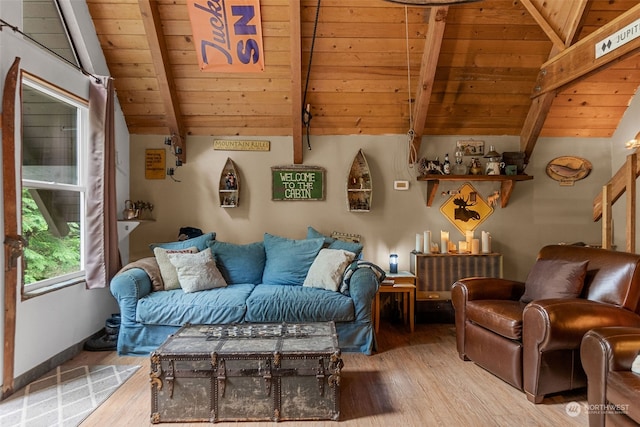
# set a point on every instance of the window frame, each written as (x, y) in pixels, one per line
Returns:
(82, 134)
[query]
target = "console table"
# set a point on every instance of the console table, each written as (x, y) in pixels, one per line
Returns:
(435, 273)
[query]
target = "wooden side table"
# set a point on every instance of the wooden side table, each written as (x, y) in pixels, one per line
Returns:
(403, 283)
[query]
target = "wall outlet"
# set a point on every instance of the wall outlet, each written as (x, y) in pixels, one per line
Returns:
(400, 185)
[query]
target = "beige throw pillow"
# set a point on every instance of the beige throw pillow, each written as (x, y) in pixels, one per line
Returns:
(327, 269)
(197, 272)
(167, 270)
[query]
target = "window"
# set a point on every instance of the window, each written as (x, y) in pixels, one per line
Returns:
(54, 124)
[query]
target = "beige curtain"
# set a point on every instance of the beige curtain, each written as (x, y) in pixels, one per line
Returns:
(102, 256)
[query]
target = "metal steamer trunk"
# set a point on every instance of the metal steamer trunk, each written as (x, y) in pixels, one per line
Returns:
(247, 372)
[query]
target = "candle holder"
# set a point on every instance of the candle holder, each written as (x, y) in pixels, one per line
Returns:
(393, 263)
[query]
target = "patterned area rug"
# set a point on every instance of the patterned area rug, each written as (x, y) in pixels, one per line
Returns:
(65, 397)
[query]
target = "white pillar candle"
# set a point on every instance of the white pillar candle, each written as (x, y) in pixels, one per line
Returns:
(462, 247)
(486, 242)
(475, 246)
(444, 241)
(427, 242)
(418, 242)
(468, 237)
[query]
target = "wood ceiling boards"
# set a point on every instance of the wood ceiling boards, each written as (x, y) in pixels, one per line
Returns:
(482, 83)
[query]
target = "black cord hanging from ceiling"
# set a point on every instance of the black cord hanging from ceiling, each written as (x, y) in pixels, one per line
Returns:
(15, 29)
(306, 110)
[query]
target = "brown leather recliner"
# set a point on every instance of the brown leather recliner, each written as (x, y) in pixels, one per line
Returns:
(613, 390)
(536, 346)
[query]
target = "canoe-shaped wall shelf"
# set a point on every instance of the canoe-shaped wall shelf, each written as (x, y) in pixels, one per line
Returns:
(359, 187)
(229, 187)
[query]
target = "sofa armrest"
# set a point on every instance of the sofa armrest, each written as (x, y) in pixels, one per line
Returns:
(604, 350)
(362, 289)
(556, 324)
(128, 287)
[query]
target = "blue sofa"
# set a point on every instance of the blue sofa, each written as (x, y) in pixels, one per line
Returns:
(264, 283)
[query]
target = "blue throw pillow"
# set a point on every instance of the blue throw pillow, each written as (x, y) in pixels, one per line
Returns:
(239, 263)
(288, 261)
(331, 243)
(312, 233)
(200, 242)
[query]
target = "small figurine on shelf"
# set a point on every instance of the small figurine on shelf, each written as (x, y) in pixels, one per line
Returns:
(475, 167)
(230, 181)
(459, 168)
(446, 167)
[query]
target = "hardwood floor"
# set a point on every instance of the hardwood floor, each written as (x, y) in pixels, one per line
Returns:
(413, 380)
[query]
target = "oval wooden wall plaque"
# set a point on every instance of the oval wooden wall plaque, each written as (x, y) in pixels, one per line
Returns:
(568, 169)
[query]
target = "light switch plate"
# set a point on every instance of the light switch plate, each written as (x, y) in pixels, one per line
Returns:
(400, 185)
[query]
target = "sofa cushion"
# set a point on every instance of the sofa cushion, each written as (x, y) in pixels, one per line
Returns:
(200, 242)
(297, 304)
(327, 269)
(175, 308)
(331, 243)
(167, 270)
(554, 278)
(504, 317)
(288, 260)
(197, 272)
(239, 263)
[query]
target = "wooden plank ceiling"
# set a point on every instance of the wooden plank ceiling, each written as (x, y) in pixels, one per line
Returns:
(474, 69)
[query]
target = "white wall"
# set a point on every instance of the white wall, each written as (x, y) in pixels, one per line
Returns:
(51, 323)
(539, 212)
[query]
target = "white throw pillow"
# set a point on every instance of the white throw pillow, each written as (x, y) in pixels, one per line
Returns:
(167, 270)
(197, 272)
(327, 269)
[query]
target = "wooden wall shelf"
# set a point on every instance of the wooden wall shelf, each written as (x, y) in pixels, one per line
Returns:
(507, 182)
(359, 186)
(229, 187)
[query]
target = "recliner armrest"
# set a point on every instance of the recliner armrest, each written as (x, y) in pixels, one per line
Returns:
(476, 288)
(554, 324)
(604, 350)
(619, 344)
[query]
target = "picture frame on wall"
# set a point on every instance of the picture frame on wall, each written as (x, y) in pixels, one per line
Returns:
(470, 147)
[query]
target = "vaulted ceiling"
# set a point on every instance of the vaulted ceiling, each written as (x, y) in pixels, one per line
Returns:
(493, 67)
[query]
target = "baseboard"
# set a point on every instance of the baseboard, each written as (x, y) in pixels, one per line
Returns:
(46, 366)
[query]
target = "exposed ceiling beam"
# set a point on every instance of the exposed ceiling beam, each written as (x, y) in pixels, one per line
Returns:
(432, 45)
(578, 61)
(295, 35)
(161, 62)
(541, 105)
(557, 41)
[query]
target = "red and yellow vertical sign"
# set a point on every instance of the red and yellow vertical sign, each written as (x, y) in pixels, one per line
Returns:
(227, 35)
